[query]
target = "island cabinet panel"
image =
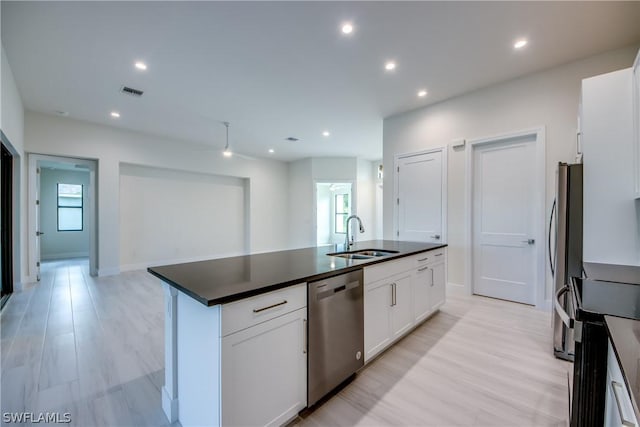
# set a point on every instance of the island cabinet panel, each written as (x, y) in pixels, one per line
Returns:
(402, 309)
(394, 305)
(437, 292)
(378, 299)
(264, 373)
(618, 407)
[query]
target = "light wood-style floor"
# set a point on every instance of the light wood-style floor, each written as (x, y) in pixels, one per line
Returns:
(93, 347)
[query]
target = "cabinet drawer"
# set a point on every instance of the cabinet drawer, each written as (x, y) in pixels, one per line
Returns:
(429, 257)
(386, 269)
(242, 314)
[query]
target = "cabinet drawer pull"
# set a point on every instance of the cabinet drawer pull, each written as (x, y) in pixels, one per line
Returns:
(258, 310)
(423, 259)
(432, 281)
(305, 340)
(440, 254)
(422, 269)
(393, 294)
(617, 387)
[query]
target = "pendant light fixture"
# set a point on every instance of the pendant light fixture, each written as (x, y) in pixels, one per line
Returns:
(227, 151)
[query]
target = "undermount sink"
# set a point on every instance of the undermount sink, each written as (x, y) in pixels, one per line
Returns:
(363, 254)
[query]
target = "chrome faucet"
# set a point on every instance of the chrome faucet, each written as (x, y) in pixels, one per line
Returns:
(347, 244)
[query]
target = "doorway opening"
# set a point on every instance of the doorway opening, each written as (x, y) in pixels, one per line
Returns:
(63, 206)
(6, 223)
(334, 204)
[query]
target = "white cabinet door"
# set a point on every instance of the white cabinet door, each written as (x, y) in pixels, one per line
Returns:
(437, 291)
(421, 290)
(377, 318)
(402, 310)
(264, 374)
(618, 407)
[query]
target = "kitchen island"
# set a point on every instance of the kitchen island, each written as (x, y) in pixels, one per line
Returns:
(235, 328)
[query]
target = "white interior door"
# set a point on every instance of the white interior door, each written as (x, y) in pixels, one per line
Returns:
(420, 197)
(504, 254)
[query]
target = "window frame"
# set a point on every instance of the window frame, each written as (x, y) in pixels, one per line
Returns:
(81, 207)
(342, 215)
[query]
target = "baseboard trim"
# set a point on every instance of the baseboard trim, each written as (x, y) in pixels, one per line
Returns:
(113, 271)
(169, 406)
(65, 255)
(456, 289)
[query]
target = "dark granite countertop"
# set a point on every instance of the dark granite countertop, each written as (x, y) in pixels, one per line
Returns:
(224, 280)
(625, 337)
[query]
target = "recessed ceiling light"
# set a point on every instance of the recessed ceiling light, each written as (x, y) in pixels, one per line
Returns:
(326, 133)
(390, 66)
(422, 93)
(519, 44)
(347, 28)
(271, 150)
(141, 65)
(115, 114)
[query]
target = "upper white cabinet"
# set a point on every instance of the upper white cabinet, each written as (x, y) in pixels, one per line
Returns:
(610, 169)
(636, 120)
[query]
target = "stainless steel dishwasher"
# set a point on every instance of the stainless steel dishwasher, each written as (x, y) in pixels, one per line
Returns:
(336, 332)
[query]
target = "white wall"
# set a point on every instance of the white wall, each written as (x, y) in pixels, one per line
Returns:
(302, 177)
(61, 244)
(12, 125)
(549, 98)
(45, 134)
(172, 216)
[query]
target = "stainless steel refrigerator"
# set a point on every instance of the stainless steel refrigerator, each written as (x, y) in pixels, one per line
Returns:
(565, 259)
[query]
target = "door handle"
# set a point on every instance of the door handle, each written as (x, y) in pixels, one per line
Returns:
(529, 241)
(39, 233)
(551, 266)
(563, 314)
(436, 236)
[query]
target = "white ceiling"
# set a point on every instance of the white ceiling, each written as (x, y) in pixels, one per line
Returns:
(279, 69)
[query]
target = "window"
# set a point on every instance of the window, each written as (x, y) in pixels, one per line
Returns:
(342, 213)
(70, 207)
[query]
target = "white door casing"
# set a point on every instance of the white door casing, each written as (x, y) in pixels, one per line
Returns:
(420, 196)
(505, 217)
(33, 211)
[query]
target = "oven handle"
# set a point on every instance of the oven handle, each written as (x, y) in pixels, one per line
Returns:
(561, 312)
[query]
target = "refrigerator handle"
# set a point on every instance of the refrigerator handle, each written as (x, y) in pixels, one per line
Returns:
(551, 266)
(566, 319)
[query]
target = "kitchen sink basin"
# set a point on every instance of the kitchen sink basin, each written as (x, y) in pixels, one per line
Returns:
(363, 254)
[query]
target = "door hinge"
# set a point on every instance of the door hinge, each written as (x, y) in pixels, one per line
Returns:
(398, 200)
(398, 233)
(398, 168)
(37, 170)
(37, 202)
(38, 264)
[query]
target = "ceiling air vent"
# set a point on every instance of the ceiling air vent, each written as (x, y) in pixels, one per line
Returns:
(292, 138)
(131, 91)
